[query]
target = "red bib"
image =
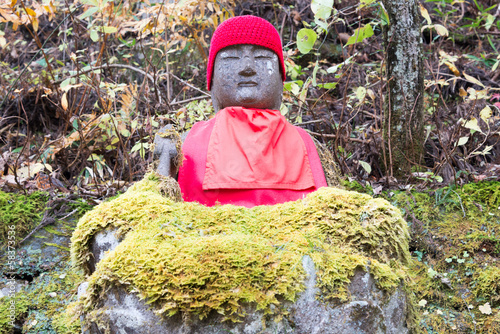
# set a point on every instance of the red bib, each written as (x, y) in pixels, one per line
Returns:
(248, 157)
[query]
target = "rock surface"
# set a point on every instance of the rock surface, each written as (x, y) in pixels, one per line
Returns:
(370, 311)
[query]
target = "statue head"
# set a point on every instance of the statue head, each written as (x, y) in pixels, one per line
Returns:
(245, 65)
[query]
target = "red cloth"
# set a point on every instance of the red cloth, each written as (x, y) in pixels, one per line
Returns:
(246, 29)
(255, 149)
(192, 173)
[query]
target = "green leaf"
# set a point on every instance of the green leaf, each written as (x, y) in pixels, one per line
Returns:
(90, 2)
(360, 93)
(94, 35)
(366, 166)
(322, 8)
(65, 83)
(315, 71)
(292, 87)
(306, 39)
(108, 30)
(328, 85)
(89, 12)
(360, 34)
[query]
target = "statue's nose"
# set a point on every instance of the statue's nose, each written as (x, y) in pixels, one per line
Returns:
(248, 67)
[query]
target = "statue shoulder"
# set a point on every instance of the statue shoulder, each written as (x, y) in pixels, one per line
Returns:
(330, 166)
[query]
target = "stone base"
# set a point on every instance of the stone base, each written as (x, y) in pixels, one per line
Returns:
(370, 311)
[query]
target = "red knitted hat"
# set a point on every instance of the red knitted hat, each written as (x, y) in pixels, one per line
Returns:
(246, 29)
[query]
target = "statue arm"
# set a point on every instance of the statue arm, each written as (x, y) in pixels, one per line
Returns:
(168, 144)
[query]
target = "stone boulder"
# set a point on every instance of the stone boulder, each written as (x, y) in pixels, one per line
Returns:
(333, 262)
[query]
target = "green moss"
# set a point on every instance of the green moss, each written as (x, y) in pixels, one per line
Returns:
(456, 235)
(191, 258)
(21, 211)
(487, 285)
(37, 302)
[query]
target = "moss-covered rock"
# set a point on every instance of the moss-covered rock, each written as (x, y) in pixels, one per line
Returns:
(185, 257)
(40, 307)
(21, 211)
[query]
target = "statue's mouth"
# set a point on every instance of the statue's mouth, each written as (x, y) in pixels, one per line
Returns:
(247, 84)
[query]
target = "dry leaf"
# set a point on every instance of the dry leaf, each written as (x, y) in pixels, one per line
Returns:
(30, 12)
(441, 30)
(425, 14)
(64, 102)
(463, 141)
(485, 114)
(462, 92)
(472, 124)
(473, 80)
(453, 68)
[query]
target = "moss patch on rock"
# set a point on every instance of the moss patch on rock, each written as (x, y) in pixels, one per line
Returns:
(191, 258)
(40, 307)
(21, 211)
(456, 247)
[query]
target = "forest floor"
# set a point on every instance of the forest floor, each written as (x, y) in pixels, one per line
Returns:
(86, 85)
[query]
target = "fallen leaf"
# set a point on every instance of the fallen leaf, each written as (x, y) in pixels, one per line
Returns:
(422, 303)
(473, 80)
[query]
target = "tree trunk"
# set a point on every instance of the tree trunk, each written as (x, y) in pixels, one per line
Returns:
(403, 121)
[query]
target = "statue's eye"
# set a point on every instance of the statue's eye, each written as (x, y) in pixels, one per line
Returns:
(230, 57)
(263, 56)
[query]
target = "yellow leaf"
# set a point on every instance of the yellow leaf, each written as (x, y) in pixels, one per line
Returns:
(472, 124)
(35, 24)
(13, 3)
(3, 42)
(425, 14)
(472, 79)
(485, 114)
(64, 102)
(441, 30)
(453, 68)
(462, 92)
(30, 12)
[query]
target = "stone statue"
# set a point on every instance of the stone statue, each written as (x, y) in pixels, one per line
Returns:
(246, 155)
(246, 70)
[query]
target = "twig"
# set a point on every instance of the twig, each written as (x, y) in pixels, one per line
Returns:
(310, 122)
(45, 222)
(184, 82)
(138, 70)
(335, 136)
(189, 100)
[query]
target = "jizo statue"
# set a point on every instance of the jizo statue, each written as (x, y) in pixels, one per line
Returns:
(248, 154)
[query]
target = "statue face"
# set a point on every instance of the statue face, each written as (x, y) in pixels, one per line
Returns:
(246, 76)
